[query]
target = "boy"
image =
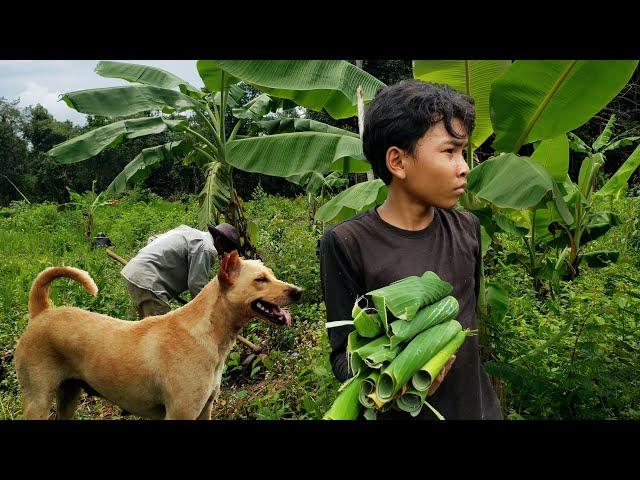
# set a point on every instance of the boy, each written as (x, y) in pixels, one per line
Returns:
(415, 135)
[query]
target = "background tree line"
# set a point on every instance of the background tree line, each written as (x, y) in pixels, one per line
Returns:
(27, 134)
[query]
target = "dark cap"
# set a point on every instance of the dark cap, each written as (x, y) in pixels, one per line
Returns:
(226, 231)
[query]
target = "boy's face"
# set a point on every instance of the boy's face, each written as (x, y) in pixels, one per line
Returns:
(436, 174)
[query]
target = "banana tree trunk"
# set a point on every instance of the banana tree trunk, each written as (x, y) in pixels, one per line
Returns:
(236, 217)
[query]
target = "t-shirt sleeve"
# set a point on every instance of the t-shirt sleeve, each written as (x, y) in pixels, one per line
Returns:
(340, 288)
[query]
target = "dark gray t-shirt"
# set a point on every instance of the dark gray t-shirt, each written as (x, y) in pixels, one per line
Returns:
(365, 253)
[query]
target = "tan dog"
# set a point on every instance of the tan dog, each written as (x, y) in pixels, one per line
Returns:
(167, 366)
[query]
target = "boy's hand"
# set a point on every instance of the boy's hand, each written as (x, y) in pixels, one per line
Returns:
(436, 383)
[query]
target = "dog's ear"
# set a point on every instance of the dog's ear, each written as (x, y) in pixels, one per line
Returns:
(229, 268)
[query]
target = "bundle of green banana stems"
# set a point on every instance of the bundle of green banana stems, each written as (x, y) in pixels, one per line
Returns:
(398, 348)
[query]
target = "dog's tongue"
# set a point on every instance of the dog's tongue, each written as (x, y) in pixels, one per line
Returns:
(283, 313)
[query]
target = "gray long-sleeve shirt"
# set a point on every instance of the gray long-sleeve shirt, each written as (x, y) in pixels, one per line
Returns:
(175, 261)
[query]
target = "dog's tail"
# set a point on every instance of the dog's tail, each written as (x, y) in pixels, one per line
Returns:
(39, 295)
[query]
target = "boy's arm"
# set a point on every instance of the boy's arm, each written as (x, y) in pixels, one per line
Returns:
(340, 289)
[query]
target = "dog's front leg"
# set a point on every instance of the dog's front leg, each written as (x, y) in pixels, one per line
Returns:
(206, 411)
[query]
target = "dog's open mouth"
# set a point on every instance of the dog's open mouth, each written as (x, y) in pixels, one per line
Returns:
(272, 312)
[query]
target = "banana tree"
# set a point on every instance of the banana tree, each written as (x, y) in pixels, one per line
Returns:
(313, 84)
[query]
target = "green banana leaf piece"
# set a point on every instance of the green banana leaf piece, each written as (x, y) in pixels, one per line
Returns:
(354, 342)
(423, 378)
(358, 355)
(427, 317)
(418, 352)
(368, 325)
(411, 401)
(347, 405)
(370, 414)
(381, 357)
(367, 387)
(405, 297)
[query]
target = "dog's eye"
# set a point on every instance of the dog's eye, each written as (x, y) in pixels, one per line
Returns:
(262, 279)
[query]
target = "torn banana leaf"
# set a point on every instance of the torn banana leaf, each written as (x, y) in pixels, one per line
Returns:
(422, 379)
(411, 401)
(368, 324)
(381, 307)
(354, 342)
(382, 356)
(417, 353)
(426, 317)
(367, 387)
(357, 356)
(405, 297)
(347, 405)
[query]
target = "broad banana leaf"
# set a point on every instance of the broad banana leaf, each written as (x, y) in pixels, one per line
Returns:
(510, 181)
(418, 352)
(93, 142)
(314, 84)
(290, 125)
(256, 108)
(597, 224)
(498, 301)
(214, 77)
(618, 181)
(352, 201)
(553, 155)
(576, 143)
(216, 193)
(509, 225)
(291, 153)
(141, 166)
(588, 170)
(471, 77)
(605, 136)
(427, 317)
(405, 297)
(148, 75)
(540, 99)
(128, 100)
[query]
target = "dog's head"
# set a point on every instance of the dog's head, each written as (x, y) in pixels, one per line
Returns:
(249, 284)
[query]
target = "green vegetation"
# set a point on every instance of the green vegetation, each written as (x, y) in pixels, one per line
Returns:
(575, 357)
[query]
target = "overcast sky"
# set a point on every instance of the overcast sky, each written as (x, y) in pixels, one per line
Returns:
(42, 81)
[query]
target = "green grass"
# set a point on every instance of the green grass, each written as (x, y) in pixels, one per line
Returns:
(591, 372)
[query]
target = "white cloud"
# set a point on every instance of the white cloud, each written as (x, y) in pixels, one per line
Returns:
(36, 93)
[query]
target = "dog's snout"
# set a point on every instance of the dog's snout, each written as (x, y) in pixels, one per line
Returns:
(295, 293)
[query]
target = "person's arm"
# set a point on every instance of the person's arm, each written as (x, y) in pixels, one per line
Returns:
(200, 262)
(340, 288)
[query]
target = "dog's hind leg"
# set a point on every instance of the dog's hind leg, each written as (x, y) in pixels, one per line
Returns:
(37, 403)
(68, 396)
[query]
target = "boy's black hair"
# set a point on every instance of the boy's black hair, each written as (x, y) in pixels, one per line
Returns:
(400, 114)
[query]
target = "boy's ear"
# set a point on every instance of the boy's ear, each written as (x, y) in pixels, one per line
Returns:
(395, 162)
(229, 268)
